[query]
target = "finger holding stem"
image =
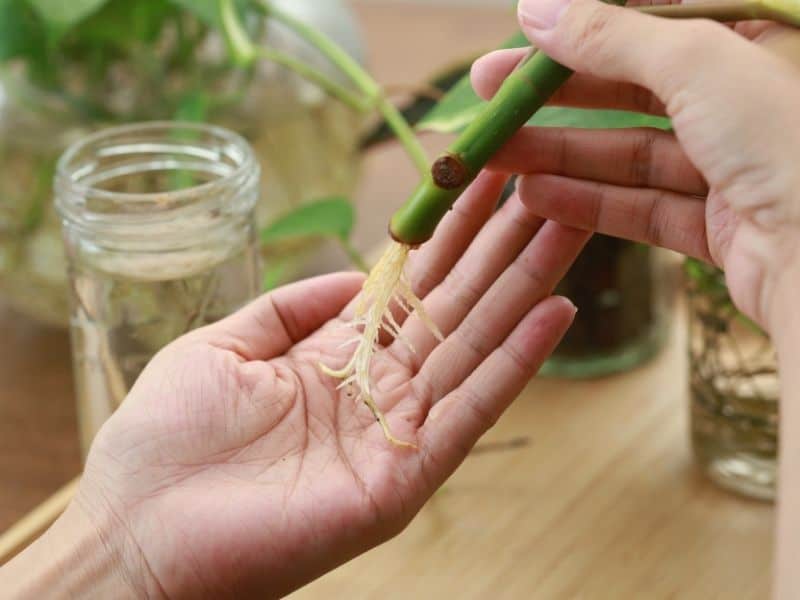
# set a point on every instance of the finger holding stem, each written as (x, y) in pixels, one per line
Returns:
(521, 95)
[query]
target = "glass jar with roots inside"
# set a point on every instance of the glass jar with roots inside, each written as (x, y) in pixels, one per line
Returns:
(735, 389)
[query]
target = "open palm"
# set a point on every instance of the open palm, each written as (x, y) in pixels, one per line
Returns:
(239, 469)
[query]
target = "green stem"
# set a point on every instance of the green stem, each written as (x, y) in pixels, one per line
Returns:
(521, 95)
(362, 80)
(405, 134)
(331, 87)
(353, 254)
(239, 44)
(728, 11)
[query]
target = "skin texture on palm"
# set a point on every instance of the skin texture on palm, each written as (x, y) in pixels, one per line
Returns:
(237, 469)
(719, 188)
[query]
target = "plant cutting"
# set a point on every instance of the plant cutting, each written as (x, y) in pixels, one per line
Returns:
(621, 318)
(523, 93)
(623, 314)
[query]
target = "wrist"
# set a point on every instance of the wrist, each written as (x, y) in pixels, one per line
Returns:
(81, 555)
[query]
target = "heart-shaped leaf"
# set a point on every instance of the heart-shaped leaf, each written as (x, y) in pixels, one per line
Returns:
(461, 106)
(331, 217)
(20, 32)
(205, 10)
(60, 15)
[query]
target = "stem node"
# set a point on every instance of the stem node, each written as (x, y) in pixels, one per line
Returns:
(449, 172)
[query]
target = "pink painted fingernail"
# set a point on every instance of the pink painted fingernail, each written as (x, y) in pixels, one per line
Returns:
(541, 15)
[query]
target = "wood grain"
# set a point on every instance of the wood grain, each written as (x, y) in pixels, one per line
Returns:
(39, 448)
(601, 502)
(22, 533)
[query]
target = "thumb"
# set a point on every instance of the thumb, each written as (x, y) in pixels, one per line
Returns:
(615, 43)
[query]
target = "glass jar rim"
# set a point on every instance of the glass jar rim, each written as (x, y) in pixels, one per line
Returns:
(165, 218)
(65, 174)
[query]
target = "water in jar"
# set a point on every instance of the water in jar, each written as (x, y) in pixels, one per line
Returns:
(125, 313)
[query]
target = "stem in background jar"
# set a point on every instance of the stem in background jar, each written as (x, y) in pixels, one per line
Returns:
(198, 316)
(353, 254)
(782, 11)
(97, 337)
(244, 52)
(240, 46)
(363, 81)
(329, 86)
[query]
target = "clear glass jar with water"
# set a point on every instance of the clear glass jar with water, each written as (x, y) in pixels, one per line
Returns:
(159, 232)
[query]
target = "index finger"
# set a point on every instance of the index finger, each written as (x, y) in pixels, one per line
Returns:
(580, 91)
(455, 423)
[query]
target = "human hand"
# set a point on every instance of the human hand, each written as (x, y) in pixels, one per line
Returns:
(235, 468)
(725, 187)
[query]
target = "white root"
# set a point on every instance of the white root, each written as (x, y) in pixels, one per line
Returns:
(385, 288)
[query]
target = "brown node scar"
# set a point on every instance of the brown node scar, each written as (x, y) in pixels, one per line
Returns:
(449, 172)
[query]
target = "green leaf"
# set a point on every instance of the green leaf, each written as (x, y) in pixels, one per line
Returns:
(420, 104)
(206, 10)
(455, 111)
(332, 217)
(193, 107)
(60, 15)
(119, 23)
(583, 118)
(750, 324)
(461, 106)
(274, 275)
(20, 31)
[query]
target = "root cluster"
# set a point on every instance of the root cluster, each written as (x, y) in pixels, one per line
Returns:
(385, 289)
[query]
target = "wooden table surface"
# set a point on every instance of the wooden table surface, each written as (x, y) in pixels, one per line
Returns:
(602, 501)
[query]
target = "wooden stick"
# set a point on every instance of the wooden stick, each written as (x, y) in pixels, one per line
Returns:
(32, 525)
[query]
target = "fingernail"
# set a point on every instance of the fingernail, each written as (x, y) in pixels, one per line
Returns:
(541, 15)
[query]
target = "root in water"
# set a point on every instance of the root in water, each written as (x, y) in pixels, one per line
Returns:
(385, 288)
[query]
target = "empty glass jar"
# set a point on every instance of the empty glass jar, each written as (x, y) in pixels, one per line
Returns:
(158, 227)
